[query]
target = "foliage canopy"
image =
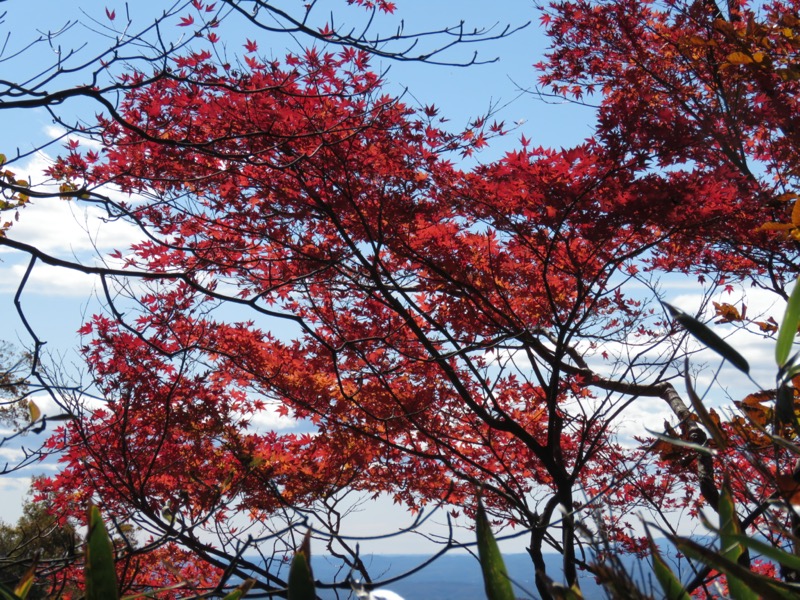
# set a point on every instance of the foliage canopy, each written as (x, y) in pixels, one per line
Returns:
(312, 250)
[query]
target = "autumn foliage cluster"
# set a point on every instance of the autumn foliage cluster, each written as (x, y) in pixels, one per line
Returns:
(313, 250)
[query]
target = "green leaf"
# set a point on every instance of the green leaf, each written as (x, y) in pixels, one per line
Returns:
(773, 553)
(672, 586)
(240, 591)
(792, 368)
(728, 525)
(495, 574)
(301, 578)
(682, 443)
(709, 338)
(155, 593)
(101, 576)
(730, 548)
(789, 324)
(702, 413)
(784, 405)
(757, 586)
(7, 594)
(25, 584)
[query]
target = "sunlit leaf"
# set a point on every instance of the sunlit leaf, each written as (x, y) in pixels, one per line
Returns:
(739, 58)
(240, 591)
(25, 584)
(796, 214)
(788, 328)
(34, 412)
(101, 576)
(495, 575)
(301, 577)
(772, 226)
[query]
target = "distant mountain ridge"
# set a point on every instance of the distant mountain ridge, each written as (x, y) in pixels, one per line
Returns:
(454, 576)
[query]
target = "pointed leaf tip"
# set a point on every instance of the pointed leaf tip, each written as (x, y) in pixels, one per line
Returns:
(702, 333)
(301, 577)
(101, 575)
(669, 582)
(241, 591)
(495, 574)
(788, 327)
(34, 411)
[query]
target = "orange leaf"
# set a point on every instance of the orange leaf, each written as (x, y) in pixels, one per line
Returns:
(789, 489)
(739, 58)
(776, 227)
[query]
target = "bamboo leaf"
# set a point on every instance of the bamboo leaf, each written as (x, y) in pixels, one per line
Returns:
(25, 584)
(705, 418)
(301, 578)
(730, 548)
(7, 594)
(672, 586)
(709, 338)
(757, 586)
(495, 574)
(728, 525)
(682, 443)
(784, 405)
(240, 591)
(101, 576)
(769, 551)
(788, 328)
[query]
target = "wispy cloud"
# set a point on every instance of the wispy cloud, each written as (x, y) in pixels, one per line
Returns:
(48, 281)
(56, 132)
(13, 491)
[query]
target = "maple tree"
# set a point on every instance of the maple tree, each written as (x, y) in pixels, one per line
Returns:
(709, 91)
(310, 247)
(102, 78)
(13, 386)
(35, 536)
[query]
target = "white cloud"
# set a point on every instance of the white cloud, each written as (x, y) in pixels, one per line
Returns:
(47, 405)
(66, 227)
(643, 413)
(11, 455)
(47, 280)
(269, 420)
(56, 131)
(13, 491)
